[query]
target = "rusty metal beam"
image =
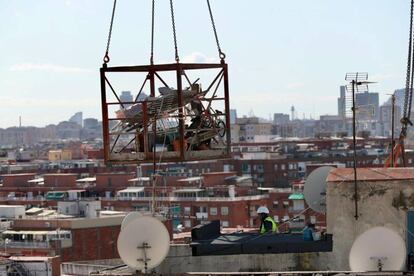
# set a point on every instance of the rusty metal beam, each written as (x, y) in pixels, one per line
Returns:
(164, 67)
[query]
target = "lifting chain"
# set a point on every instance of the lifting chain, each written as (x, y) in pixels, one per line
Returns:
(408, 81)
(106, 58)
(152, 33)
(221, 54)
(177, 58)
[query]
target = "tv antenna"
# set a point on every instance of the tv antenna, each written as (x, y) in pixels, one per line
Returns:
(358, 82)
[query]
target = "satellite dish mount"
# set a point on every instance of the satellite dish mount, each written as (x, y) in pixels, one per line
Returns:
(145, 246)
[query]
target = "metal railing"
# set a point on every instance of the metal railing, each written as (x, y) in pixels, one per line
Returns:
(174, 198)
(26, 244)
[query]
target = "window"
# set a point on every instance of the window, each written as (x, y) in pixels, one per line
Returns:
(213, 211)
(276, 218)
(224, 210)
(285, 218)
(285, 204)
(109, 182)
(275, 167)
(225, 223)
(275, 204)
(313, 219)
(187, 210)
(282, 167)
(298, 205)
(187, 223)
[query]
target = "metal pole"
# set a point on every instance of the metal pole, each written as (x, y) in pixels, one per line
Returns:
(354, 144)
(392, 129)
(154, 143)
(105, 123)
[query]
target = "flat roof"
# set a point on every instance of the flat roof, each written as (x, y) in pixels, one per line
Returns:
(18, 174)
(30, 258)
(60, 174)
(87, 179)
(296, 196)
(188, 190)
(139, 179)
(238, 178)
(11, 206)
(34, 210)
(36, 180)
(370, 174)
(190, 179)
(132, 190)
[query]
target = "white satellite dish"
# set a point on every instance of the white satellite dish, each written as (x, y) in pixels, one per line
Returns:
(315, 189)
(143, 243)
(378, 249)
(128, 218)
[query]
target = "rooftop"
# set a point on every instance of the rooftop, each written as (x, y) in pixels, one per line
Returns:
(370, 174)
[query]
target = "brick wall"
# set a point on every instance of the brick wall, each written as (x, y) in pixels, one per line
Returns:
(60, 180)
(17, 180)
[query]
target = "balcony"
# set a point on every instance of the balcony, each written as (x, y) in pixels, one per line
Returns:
(202, 215)
(27, 244)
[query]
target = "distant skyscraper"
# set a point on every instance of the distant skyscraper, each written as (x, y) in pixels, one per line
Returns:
(399, 100)
(77, 118)
(233, 116)
(280, 119)
(341, 101)
(126, 96)
(367, 104)
(90, 123)
(386, 119)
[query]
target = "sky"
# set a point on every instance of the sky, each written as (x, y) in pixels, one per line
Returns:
(280, 53)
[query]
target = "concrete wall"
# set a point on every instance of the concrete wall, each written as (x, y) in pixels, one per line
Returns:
(12, 211)
(38, 268)
(86, 208)
(375, 206)
(179, 260)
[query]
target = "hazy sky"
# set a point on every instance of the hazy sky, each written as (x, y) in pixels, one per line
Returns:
(280, 53)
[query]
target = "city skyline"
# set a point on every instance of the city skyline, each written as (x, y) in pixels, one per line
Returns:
(299, 57)
(233, 111)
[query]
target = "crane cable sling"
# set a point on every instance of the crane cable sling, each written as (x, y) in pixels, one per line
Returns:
(106, 58)
(409, 87)
(409, 78)
(152, 33)
(222, 55)
(177, 58)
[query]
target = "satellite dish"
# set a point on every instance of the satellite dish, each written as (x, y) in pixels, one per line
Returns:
(315, 189)
(128, 218)
(378, 249)
(143, 243)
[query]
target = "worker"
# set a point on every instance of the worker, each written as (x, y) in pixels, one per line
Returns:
(267, 224)
(308, 232)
